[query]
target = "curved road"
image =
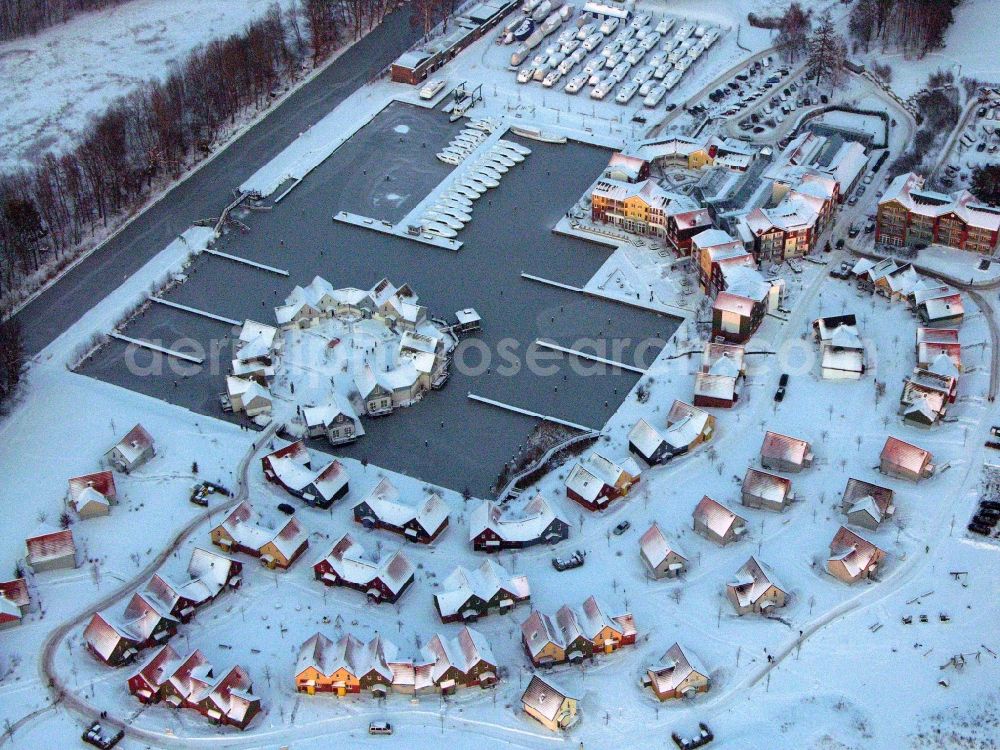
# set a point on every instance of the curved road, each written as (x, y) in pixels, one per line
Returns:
(205, 192)
(49, 676)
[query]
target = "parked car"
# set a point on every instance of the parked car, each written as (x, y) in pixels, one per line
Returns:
(853, 231)
(840, 243)
(621, 528)
(783, 380)
(96, 736)
(379, 727)
(568, 563)
(431, 88)
(287, 509)
(779, 395)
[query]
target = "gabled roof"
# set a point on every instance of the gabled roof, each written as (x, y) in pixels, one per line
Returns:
(135, 442)
(353, 564)
(463, 652)
(868, 497)
(784, 448)
(50, 545)
(732, 303)
(589, 475)
(543, 696)
(519, 521)
(752, 581)
(254, 530)
(484, 582)
(83, 488)
(430, 512)
(856, 553)
(160, 666)
(655, 548)
(905, 455)
(709, 385)
(675, 667)
(538, 631)
(767, 486)
(16, 591)
(717, 517)
(349, 653)
(645, 438)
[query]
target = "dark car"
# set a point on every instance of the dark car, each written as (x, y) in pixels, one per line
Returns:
(568, 563)
(824, 98)
(759, 129)
(621, 528)
(840, 243)
(779, 395)
(286, 508)
(783, 380)
(981, 147)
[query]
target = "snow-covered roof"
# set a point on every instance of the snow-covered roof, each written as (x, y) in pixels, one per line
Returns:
(538, 631)
(708, 385)
(685, 423)
(325, 414)
(655, 548)
(674, 667)
(856, 553)
(98, 486)
(645, 438)
(784, 448)
(733, 303)
(717, 517)
(463, 652)
(860, 491)
(905, 455)
(348, 653)
(544, 697)
(519, 521)
(767, 486)
(254, 530)
(907, 190)
(135, 443)
(430, 512)
(50, 545)
(591, 474)
(16, 591)
(354, 565)
(752, 581)
(484, 582)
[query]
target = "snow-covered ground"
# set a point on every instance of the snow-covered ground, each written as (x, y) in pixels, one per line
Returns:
(59, 78)
(970, 51)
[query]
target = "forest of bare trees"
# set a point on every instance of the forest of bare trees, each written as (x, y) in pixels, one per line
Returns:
(149, 137)
(21, 17)
(913, 26)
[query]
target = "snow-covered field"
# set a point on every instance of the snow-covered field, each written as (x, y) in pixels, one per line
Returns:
(970, 51)
(56, 80)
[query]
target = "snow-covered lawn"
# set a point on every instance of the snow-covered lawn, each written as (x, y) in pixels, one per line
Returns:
(56, 80)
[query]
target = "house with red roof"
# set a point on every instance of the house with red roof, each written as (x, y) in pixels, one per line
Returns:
(866, 504)
(191, 683)
(677, 675)
(383, 578)
(717, 523)
(14, 602)
(291, 469)
(766, 491)
(92, 494)
(904, 460)
(852, 557)
(132, 451)
(595, 480)
(662, 557)
(51, 550)
(418, 519)
(783, 453)
(116, 639)
(754, 589)
(276, 540)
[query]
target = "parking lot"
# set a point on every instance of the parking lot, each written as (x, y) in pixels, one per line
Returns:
(634, 64)
(510, 234)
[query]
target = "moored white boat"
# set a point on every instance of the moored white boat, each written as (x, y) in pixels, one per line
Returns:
(452, 211)
(441, 230)
(441, 218)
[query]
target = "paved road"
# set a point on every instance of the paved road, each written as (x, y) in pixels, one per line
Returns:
(46, 666)
(206, 192)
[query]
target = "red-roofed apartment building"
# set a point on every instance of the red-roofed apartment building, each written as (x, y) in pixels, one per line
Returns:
(910, 215)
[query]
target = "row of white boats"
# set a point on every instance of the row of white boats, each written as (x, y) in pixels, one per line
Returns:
(452, 210)
(467, 141)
